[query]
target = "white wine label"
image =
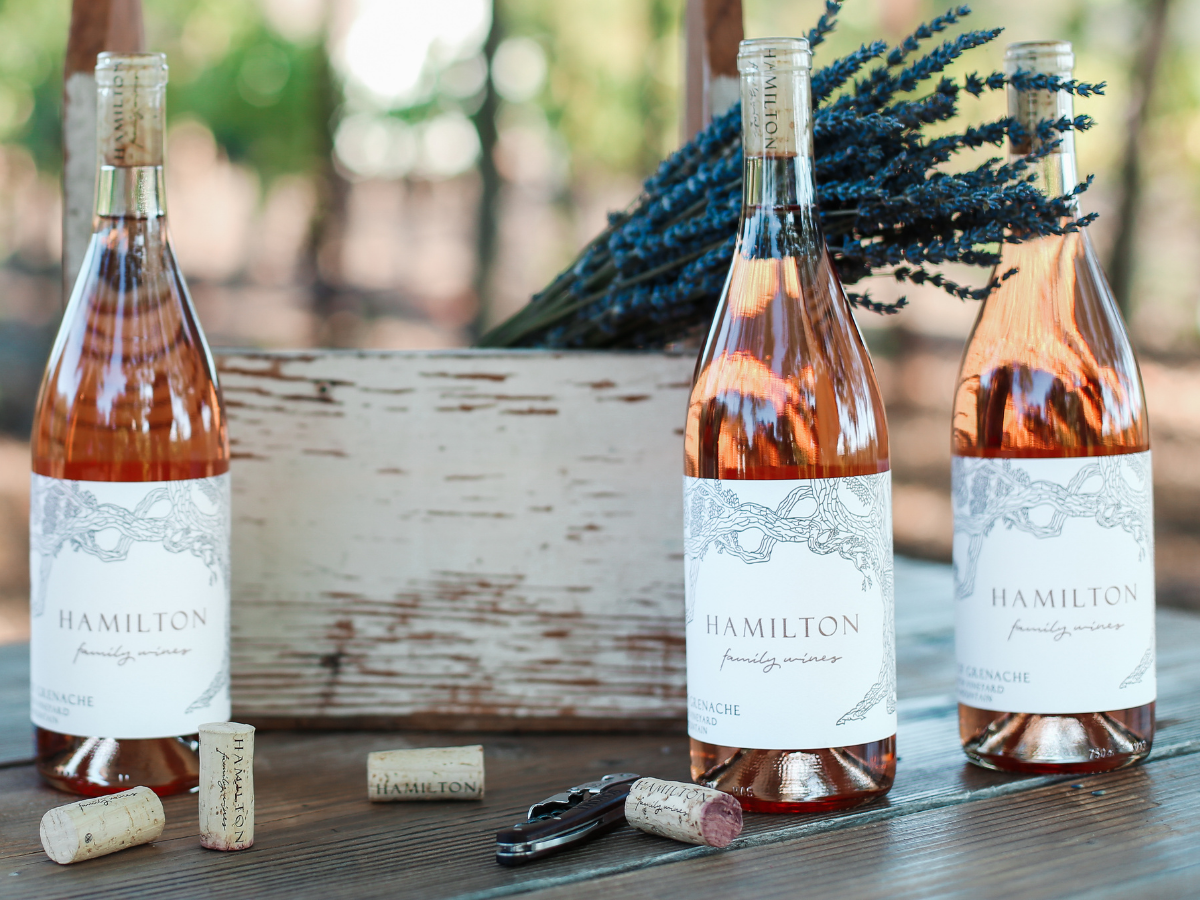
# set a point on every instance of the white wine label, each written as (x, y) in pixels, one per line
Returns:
(129, 603)
(791, 636)
(1054, 583)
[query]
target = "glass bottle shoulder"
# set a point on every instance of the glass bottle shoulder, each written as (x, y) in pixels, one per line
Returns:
(130, 391)
(784, 387)
(1048, 370)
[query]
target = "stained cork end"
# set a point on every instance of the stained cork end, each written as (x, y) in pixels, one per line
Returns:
(683, 812)
(720, 820)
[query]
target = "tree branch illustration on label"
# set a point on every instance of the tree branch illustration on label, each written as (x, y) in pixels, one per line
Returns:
(65, 513)
(1114, 491)
(1135, 677)
(715, 519)
(188, 516)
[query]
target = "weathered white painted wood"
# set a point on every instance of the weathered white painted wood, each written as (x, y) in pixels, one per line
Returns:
(472, 539)
(467, 539)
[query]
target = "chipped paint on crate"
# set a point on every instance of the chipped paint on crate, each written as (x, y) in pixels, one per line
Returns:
(503, 550)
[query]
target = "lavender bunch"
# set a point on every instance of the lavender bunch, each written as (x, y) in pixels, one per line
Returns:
(886, 205)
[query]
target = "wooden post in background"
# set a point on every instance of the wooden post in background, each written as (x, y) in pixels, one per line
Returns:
(96, 26)
(714, 30)
(490, 182)
(1146, 66)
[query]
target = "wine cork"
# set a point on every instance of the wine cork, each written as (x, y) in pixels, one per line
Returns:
(102, 825)
(431, 773)
(226, 786)
(774, 92)
(130, 108)
(683, 812)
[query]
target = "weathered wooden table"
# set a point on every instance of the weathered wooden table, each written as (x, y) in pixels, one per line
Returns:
(948, 829)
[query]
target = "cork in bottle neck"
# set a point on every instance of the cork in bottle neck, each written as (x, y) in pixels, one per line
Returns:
(131, 89)
(775, 97)
(1031, 107)
(130, 118)
(1056, 172)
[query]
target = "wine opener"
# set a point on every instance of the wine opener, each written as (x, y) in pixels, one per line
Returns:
(565, 819)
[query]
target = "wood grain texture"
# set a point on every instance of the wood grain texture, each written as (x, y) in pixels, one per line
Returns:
(469, 539)
(1049, 843)
(948, 829)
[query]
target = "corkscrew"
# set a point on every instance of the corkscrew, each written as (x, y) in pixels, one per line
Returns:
(565, 819)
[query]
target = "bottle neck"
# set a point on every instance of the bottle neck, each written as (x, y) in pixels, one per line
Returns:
(131, 106)
(777, 182)
(777, 138)
(134, 192)
(1055, 173)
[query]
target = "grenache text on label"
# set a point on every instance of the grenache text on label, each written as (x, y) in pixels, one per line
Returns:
(714, 706)
(56, 705)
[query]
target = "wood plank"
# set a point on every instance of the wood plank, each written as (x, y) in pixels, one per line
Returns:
(16, 743)
(317, 832)
(462, 540)
(318, 836)
(457, 539)
(1048, 843)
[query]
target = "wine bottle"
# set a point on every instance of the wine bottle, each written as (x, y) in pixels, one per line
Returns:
(129, 512)
(1053, 526)
(787, 495)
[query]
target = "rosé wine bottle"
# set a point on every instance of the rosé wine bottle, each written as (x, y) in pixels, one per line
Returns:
(129, 523)
(1053, 523)
(787, 496)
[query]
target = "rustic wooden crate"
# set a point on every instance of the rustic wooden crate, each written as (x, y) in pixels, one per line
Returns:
(469, 539)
